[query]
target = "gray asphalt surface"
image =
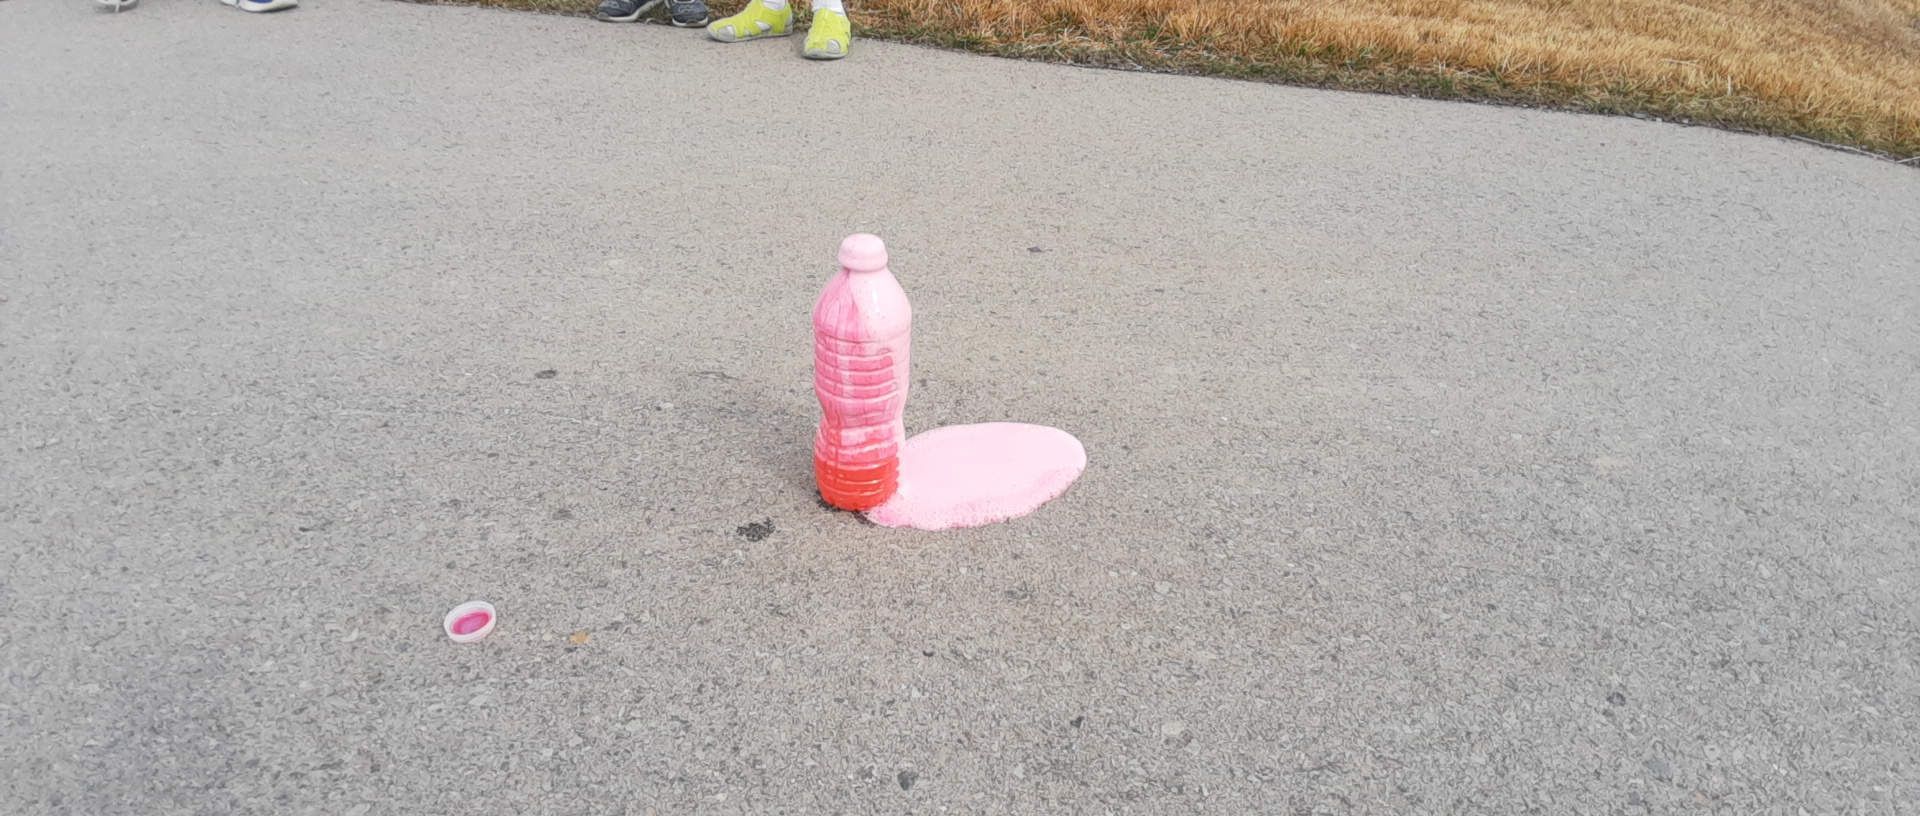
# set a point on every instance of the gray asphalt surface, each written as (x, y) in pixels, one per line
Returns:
(1444, 458)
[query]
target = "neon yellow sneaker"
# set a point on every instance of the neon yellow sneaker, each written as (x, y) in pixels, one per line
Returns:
(753, 22)
(829, 37)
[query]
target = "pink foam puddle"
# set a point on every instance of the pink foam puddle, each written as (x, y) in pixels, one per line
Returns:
(970, 475)
(471, 622)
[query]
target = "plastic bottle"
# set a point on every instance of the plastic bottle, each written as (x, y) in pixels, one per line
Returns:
(862, 325)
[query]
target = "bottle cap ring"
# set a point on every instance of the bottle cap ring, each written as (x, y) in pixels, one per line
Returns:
(470, 622)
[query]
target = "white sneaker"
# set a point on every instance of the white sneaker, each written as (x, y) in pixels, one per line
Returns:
(261, 5)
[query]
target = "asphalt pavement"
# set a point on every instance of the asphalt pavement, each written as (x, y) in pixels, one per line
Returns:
(1443, 458)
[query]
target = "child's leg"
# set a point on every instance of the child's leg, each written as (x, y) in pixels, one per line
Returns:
(831, 34)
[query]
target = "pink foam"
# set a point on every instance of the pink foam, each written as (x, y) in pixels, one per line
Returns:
(970, 475)
(471, 622)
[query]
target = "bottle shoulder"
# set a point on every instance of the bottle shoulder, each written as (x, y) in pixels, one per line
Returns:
(863, 307)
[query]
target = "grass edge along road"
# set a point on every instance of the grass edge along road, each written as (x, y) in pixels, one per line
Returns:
(1841, 74)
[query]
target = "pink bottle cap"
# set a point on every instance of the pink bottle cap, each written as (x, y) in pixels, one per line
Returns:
(470, 622)
(863, 253)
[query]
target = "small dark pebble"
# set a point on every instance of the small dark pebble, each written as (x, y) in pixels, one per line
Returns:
(927, 653)
(545, 375)
(1078, 720)
(1616, 698)
(755, 531)
(562, 514)
(907, 778)
(1659, 768)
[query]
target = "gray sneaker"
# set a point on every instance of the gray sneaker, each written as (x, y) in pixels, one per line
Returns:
(623, 11)
(683, 13)
(687, 13)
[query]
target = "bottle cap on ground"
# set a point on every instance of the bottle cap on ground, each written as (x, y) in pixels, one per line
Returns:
(863, 253)
(470, 622)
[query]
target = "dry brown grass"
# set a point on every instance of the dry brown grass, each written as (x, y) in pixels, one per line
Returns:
(1840, 71)
(1844, 70)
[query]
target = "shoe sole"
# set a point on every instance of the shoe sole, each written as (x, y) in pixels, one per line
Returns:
(739, 39)
(703, 21)
(258, 8)
(637, 13)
